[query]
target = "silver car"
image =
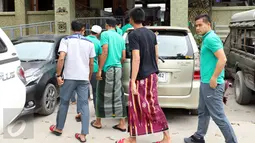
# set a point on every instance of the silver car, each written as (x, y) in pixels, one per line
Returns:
(179, 76)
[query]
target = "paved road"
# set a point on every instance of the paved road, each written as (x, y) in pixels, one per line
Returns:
(181, 124)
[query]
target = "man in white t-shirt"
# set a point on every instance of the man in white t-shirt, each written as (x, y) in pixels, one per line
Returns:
(77, 57)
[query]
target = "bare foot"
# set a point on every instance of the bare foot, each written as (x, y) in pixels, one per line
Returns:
(96, 124)
(82, 137)
(128, 140)
(73, 103)
(165, 140)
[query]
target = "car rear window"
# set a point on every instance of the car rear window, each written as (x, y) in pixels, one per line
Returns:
(32, 50)
(171, 44)
(3, 47)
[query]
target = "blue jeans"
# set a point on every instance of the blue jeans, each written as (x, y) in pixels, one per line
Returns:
(93, 82)
(211, 105)
(66, 92)
(73, 98)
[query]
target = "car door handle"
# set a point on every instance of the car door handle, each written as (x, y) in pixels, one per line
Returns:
(14, 54)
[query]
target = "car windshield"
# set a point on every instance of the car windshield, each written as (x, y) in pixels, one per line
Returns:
(34, 50)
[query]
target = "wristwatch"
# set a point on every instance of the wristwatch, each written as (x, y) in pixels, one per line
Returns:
(57, 75)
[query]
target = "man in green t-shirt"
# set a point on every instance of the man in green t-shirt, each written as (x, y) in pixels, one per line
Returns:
(118, 30)
(126, 27)
(110, 95)
(93, 37)
(212, 63)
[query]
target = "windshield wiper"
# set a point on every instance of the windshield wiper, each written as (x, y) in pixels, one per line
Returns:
(23, 60)
(161, 59)
(36, 60)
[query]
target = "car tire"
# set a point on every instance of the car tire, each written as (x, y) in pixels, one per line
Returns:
(49, 100)
(193, 112)
(242, 93)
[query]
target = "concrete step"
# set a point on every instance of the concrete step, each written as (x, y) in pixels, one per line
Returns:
(221, 27)
(222, 31)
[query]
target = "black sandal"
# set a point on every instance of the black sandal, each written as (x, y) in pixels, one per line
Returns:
(92, 124)
(118, 128)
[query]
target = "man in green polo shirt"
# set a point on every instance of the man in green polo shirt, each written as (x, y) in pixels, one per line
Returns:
(212, 63)
(110, 95)
(126, 27)
(118, 30)
(93, 37)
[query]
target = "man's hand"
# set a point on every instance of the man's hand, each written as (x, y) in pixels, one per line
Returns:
(99, 75)
(60, 81)
(213, 82)
(133, 88)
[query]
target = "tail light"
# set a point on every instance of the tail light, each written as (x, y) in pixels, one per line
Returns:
(197, 66)
(21, 74)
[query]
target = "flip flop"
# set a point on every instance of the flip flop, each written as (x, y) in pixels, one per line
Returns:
(120, 141)
(78, 119)
(92, 124)
(117, 128)
(53, 131)
(77, 136)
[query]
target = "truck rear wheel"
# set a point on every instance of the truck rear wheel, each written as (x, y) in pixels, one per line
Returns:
(242, 93)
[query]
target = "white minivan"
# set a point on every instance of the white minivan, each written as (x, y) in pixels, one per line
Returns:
(12, 83)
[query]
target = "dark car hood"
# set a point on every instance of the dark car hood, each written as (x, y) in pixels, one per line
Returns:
(33, 69)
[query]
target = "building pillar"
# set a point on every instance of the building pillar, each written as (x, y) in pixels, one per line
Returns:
(20, 12)
(1, 6)
(21, 16)
(64, 15)
(97, 4)
(179, 13)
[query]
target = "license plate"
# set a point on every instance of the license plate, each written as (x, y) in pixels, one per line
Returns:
(162, 77)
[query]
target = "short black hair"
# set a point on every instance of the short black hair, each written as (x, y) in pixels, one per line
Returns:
(118, 22)
(111, 22)
(138, 15)
(206, 18)
(77, 25)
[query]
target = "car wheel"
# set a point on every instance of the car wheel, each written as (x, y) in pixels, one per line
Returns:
(49, 100)
(193, 112)
(242, 93)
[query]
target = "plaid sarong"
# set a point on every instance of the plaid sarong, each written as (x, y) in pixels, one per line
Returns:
(110, 95)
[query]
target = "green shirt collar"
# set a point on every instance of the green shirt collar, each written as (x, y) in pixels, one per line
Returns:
(92, 36)
(207, 34)
(111, 30)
